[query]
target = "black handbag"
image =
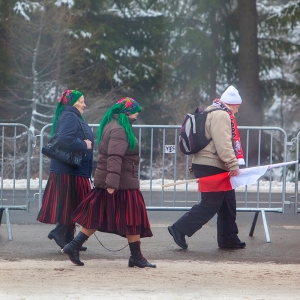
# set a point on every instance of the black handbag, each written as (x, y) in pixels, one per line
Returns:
(52, 150)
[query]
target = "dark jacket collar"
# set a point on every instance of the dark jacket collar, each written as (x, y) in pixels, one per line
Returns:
(72, 109)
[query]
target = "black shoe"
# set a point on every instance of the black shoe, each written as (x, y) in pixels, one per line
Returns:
(178, 237)
(141, 263)
(59, 235)
(72, 249)
(239, 245)
(70, 236)
(137, 259)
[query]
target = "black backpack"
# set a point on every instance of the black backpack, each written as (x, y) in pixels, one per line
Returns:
(192, 137)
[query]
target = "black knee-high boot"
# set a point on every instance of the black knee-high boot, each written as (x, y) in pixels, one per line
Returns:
(72, 249)
(137, 259)
(70, 236)
(59, 234)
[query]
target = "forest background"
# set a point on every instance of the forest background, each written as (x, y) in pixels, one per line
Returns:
(171, 56)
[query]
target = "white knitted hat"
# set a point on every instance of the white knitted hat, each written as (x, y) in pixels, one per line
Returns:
(231, 96)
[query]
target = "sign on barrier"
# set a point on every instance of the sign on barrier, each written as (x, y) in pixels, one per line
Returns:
(170, 149)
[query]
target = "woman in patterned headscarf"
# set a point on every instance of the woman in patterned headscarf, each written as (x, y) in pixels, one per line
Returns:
(116, 205)
(67, 186)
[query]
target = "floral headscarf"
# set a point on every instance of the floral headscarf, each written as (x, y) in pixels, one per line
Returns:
(69, 97)
(123, 107)
(130, 106)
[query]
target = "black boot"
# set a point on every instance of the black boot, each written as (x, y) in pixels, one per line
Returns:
(70, 236)
(137, 259)
(59, 235)
(72, 249)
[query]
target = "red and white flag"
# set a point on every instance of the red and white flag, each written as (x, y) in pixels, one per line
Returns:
(222, 182)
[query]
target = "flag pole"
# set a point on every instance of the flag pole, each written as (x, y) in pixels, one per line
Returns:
(181, 182)
(252, 168)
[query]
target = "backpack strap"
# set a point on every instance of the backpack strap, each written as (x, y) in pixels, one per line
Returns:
(199, 109)
(208, 111)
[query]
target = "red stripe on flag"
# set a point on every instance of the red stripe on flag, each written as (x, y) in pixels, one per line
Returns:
(215, 183)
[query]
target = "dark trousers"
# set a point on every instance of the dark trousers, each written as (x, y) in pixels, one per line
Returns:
(221, 203)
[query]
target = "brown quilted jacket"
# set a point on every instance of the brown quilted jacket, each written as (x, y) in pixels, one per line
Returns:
(117, 165)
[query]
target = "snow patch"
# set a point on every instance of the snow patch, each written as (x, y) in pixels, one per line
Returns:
(156, 185)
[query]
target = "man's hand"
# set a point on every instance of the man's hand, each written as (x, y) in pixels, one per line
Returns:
(234, 173)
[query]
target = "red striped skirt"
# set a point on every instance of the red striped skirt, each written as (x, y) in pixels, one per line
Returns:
(123, 212)
(62, 195)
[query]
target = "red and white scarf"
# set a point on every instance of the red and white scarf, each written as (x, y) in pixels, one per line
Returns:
(237, 145)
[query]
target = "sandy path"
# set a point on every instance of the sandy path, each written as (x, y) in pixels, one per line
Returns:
(104, 279)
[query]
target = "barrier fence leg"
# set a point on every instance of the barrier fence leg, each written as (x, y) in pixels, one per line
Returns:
(1, 214)
(8, 224)
(263, 214)
(253, 223)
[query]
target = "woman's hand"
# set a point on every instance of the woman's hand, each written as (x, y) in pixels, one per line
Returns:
(88, 144)
(110, 190)
(234, 173)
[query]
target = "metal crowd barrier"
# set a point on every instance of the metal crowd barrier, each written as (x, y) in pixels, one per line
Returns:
(162, 162)
(15, 154)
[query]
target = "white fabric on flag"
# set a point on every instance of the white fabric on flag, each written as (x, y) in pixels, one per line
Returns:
(251, 175)
(248, 176)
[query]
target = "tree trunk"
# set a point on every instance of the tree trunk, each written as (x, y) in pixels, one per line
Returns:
(213, 57)
(251, 112)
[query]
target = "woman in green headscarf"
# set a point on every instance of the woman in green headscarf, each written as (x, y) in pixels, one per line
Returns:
(67, 186)
(116, 205)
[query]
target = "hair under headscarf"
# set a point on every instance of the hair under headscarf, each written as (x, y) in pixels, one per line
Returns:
(69, 97)
(123, 107)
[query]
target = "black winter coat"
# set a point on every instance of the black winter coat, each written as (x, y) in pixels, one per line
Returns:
(71, 137)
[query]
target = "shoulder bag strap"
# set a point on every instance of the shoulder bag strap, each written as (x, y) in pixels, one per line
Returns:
(82, 128)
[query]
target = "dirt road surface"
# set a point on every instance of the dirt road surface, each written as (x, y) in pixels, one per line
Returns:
(32, 267)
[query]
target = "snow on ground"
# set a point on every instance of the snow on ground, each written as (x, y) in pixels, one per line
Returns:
(156, 185)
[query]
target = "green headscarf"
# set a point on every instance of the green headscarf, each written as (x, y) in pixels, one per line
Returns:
(69, 97)
(123, 107)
